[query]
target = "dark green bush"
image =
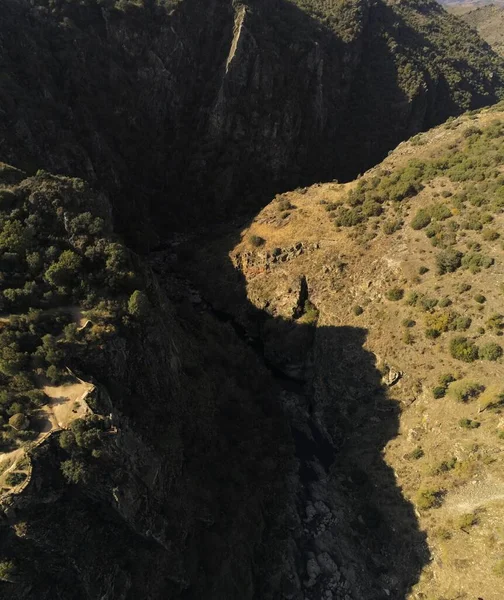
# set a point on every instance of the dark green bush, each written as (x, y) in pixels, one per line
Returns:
(448, 261)
(469, 424)
(421, 219)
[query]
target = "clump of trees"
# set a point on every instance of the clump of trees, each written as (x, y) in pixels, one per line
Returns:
(83, 444)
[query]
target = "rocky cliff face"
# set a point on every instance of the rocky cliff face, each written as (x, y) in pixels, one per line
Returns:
(190, 114)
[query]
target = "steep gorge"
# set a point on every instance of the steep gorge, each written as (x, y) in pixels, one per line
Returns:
(218, 484)
(189, 115)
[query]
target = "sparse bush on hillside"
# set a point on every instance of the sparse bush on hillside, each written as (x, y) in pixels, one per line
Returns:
(395, 294)
(467, 521)
(422, 270)
(417, 453)
(495, 323)
(469, 391)
(476, 261)
(490, 351)
(391, 226)
(461, 323)
(358, 310)
(421, 219)
(463, 287)
(429, 498)
(440, 212)
(463, 349)
(448, 261)
(348, 217)
(7, 570)
(446, 379)
(439, 392)
(256, 241)
(469, 424)
(490, 235)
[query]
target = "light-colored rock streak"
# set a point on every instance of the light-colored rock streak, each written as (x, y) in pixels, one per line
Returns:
(239, 19)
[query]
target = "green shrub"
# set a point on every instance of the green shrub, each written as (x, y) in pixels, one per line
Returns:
(65, 271)
(476, 261)
(429, 498)
(7, 570)
(395, 294)
(421, 219)
(409, 323)
(463, 349)
(460, 323)
(446, 379)
(390, 227)
(495, 323)
(412, 298)
(463, 287)
(448, 261)
(427, 304)
(467, 521)
(19, 421)
(74, 471)
(349, 217)
(490, 351)
(408, 338)
(14, 479)
(417, 453)
(490, 235)
(256, 240)
(480, 299)
(439, 392)
(469, 424)
(445, 466)
(139, 305)
(440, 212)
(67, 441)
(358, 310)
(310, 315)
(422, 270)
(432, 334)
(444, 302)
(469, 391)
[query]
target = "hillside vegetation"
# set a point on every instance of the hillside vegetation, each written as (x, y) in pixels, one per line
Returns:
(107, 395)
(412, 252)
(489, 23)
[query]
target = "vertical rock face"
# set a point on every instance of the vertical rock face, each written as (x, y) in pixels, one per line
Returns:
(190, 114)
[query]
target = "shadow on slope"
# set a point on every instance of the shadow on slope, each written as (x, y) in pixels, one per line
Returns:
(341, 416)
